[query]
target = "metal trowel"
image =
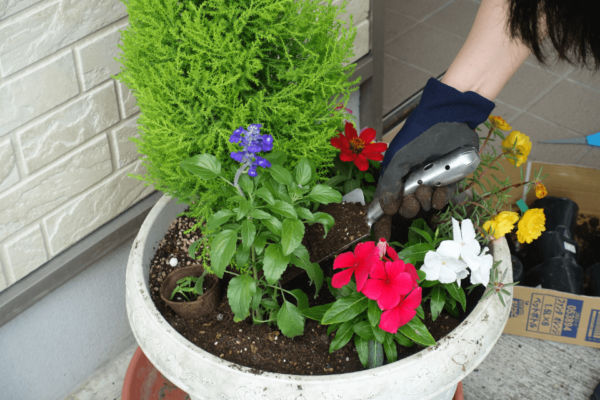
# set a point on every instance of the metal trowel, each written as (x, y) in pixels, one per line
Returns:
(448, 169)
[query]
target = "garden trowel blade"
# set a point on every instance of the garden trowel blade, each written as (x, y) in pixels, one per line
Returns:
(355, 196)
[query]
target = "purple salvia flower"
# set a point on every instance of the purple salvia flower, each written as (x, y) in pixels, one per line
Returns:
(236, 135)
(252, 171)
(262, 162)
(237, 156)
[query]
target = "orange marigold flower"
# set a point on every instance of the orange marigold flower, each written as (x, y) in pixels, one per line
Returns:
(540, 190)
(500, 123)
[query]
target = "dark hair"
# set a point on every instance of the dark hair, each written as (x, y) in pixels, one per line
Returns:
(572, 28)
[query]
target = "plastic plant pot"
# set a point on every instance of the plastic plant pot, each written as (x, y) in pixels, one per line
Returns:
(559, 212)
(553, 244)
(203, 304)
(517, 268)
(592, 277)
(557, 273)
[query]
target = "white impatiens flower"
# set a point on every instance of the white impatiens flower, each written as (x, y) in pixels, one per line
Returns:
(480, 267)
(444, 264)
(465, 236)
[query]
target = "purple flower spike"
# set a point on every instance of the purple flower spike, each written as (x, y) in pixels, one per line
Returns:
(262, 162)
(236, 135)
(237, 156)
(254, 148)
(267, 142)
(254, 128)
(252, 171)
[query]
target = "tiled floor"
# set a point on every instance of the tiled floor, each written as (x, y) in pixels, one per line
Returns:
(422, 37)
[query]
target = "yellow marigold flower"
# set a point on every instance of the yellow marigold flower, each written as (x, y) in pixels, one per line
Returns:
(540, 190)
(522, 147)
(500, 123)
(531, 225)
(501, 224)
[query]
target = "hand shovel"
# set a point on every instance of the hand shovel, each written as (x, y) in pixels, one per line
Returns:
(446, 170)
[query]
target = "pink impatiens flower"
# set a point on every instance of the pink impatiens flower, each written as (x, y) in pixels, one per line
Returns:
(388, 283)
(400, 315)
(364, 258)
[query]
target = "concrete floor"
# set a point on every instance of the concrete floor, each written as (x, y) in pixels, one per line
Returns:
(422, 38)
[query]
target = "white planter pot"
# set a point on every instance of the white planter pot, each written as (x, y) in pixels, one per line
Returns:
(430, 374)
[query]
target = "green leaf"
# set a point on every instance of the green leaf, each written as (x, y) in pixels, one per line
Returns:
(289, 320)
(362, 348)
(273, 224)
(266, 195)
(415, 253)
(390, 351)
(351, 185)
(438, 299)
(246, 184)
(336, 180)
(239, 293)
(205, 166)
(194, 247)
(423, 234)
(342, 336)
(248, 233)
(257, 298)
(301, 297)
(283, 208)
(452, 310)
(422, 275)
(332, 328)
(378, 333)
(426, 284)
(414, 236)
(269, 304)
(221, 250)
(292, 232)
(346, 308)
(364, 330)
(375, 354)
(303, 172)
(304, 213)
(276, 157)
(324, 219)
(281, 174)
(317, 312)
(369, 178)
(416, 331)
(301, 259)
(420, 312)
(241, 256)
(374, 313)
(275, 263)
(325, 195)
(344, 291)
(457, 293)
(259, 214)
(235, 199)
(218, 219)
(260, 242)
(403, 340)
(243, 209)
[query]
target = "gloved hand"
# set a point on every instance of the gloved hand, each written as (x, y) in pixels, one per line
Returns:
(443, 121)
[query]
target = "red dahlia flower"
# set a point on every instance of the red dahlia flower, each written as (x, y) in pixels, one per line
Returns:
(387, 283)
(400, 315)
(364, 258)
(359, 148)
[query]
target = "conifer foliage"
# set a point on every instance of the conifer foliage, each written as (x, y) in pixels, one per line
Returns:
(202, 68)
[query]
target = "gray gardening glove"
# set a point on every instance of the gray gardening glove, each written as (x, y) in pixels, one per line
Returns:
(432, 144)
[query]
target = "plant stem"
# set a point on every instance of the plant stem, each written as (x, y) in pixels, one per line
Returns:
(238, 173)
(254, 312)
(486, 139)
(475, 179)
(516, 185)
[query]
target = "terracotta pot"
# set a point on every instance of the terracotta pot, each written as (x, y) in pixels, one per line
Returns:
(199, 307)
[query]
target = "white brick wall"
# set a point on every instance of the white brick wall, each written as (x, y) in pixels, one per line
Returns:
(65, 126)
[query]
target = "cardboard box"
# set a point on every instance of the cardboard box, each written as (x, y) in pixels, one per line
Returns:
(549, 314)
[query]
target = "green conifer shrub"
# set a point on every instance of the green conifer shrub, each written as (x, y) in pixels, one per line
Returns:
(202, 68)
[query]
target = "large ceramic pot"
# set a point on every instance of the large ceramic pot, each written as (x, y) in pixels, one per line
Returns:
(430, 374)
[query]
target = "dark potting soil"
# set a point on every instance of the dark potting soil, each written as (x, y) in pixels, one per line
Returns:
(262, 347)
(350, 225)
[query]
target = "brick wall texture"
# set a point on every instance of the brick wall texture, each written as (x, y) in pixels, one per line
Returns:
(65, 126)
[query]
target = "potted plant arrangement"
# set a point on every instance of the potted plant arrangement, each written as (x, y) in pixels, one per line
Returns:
(240, 127)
